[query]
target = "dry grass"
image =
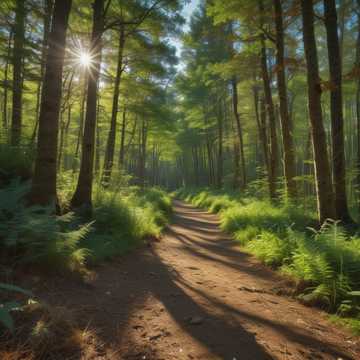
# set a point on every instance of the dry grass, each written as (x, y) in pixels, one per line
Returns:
(48, 332)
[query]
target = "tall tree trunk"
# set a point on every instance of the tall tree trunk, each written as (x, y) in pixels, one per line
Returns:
(337, 120)
(122, 140)
(81, 124)
(357, 70)
(273, 153)
(286, 123)
(64, 127)
(219, 175)
(210, 161)
(83, 193)
(260, 117)
(239, 130)
(97, 139)
(44, 182)
(236, 151)
(211, 175)
(64, 123)
(47, 23)
(324, 190)
(6, 83)
(18, 54)
(142, 153)
(110, 146)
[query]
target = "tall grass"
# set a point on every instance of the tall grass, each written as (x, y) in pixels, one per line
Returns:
(121, 221)
(325, 263)
(124, 219)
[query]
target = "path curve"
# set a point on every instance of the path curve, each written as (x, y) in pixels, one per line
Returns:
(195, 295)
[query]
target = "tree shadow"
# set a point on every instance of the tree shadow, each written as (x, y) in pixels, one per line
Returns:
(108, 305)
(122, 289)
(111, 302)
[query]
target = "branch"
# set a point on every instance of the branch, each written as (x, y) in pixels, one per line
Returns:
(120, 22)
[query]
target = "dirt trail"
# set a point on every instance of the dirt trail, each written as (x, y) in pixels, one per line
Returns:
(195, 295)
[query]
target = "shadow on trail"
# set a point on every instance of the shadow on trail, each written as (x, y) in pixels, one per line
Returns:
(122, 290)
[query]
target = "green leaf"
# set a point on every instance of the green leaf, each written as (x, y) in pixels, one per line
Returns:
(354, 293)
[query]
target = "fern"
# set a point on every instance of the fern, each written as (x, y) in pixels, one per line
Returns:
(7, 307)
(43, 237)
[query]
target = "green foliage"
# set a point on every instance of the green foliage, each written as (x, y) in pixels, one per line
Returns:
(326, 263)
(270, 248)
(15, 162)
(246, 234)
(8, 306)
(329, 262)
(40, 236)
(125, 219)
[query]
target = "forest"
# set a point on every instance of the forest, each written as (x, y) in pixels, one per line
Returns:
(179, 179)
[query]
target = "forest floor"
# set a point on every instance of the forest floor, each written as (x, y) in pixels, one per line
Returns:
(194, 295)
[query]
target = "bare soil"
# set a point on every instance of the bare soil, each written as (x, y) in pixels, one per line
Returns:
(193, 295)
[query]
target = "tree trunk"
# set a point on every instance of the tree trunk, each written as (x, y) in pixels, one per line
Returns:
(110, 146)
(239, 130)
(47, 23)
(97, 139)
(81, 124)
(286, 123)
(219, 175)
(273, 153)
(325, 196)
(261, 124)
(83, 193)
(357, 67)
(64, 128)
(44, 182)
(337, 120)
(122, 140)
(18, 53)
(142, 153)
(6, 84)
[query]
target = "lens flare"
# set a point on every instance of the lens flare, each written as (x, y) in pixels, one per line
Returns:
(85, 59)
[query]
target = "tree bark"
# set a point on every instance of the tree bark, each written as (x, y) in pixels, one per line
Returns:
(44, 182)
(273, 153)
(286, 123)
(18, 53)
(324, 190)
(81, 123)
(142, 153)
(6, 83)
(357, 67)
(239, 130)
(47, 23)
(110, 146)
(83, 193)
(122, 140)
(261, 124)
(219, 175)
(64, 124)
(337, 120)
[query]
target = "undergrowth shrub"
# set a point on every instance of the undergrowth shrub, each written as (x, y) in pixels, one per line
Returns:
(329, 261)
(37, 235)
(270, 248)
(15, 162)
(123, 219)
(325, 263)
